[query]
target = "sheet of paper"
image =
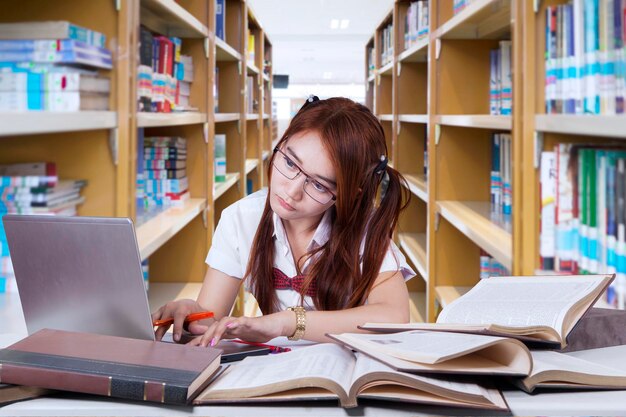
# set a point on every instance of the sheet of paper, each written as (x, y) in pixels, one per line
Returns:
(421, 346)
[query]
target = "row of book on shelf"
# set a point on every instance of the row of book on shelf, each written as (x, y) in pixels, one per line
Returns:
(501, 80)
(585, 58)
(501, 177)
(53, 66)
(386, 45)
(164, 75)
(416, 23)
(490, 267)
(505, 333)
(33, 188)
(583, 212)
(459, 5)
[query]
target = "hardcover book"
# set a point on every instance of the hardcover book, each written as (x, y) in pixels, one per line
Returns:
(537, 309)
(107, 365)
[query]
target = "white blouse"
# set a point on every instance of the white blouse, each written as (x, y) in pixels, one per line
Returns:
(232, 243)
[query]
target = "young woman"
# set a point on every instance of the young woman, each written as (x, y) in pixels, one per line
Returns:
(315, 249)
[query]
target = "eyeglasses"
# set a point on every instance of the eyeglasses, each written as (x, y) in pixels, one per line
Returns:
(313, 188)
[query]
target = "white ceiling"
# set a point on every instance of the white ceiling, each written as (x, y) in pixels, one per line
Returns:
(304, 45)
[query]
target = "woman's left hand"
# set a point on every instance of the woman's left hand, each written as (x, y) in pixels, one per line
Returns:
(252, 329)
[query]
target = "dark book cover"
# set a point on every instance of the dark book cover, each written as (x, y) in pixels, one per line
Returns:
(107, 365)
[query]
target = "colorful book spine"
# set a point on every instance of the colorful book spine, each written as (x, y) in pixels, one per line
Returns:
(548, 198)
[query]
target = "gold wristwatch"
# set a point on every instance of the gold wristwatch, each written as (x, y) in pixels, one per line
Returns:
(300, 322)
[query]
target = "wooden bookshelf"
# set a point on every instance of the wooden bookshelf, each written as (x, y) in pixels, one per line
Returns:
(472, 218)
(222, 187)
(170, 119)
(160, 293)
(433, 103)
(414, 245)
(447, 294)
(155, 232)
(101, 147)
(33, 123)
(601, 126)
(417, 306)
(478, 121)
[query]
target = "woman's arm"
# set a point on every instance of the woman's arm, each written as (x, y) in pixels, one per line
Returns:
(387, 302)
(217, 294)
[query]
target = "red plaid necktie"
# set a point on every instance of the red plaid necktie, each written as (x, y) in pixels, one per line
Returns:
(282, 281)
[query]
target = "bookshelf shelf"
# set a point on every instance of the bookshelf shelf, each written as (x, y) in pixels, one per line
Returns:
(372, 77)
(251, 165)
(225, 52)
(478, 121)
(155, 232)
(417, 306)
(221, 187)
(446, 294)
(252, 68)
(481, 19)
(418, 186)
(171, 19)
(160, 293)
(266, 116)
(472, 218)
(386, 69)
(266, 78)
(386, 117)
(30, 123)
(226, 117)
(252, 116)
(416, 53)
(413, 118)
(414, 245)
(170, 119)
(606, 126)
(266, 154)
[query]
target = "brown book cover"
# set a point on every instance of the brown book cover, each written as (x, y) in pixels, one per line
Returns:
(108, 365)
(13, 393)
(600, 327)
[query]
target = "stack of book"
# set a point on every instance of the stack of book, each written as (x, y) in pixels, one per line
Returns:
(371, 62)
(32, 188)
(220, 19)
(501, 80)
(164, 171)
(251, 55)
(501, 177)
(52, 66)
(252, 105)
(459, 5)
(416, 24)
(583, 212)
(585, 59)
(164, 75)
(490, 267)
(386, 42)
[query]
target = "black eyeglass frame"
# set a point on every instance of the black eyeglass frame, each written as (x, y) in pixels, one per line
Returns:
(300, 171)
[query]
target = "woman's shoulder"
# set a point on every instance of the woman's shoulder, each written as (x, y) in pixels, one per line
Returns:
(248, 206)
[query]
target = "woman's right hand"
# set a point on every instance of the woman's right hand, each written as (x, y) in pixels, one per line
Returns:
(180, 309)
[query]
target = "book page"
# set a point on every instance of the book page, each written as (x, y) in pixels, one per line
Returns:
(520, 301)
(555, 361)
(326, 360)
(366, 365)
(422, 346)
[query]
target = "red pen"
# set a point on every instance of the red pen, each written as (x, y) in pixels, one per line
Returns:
(191, 317)
(272, 348)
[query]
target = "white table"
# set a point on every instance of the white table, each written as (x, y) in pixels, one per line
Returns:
(606, 403)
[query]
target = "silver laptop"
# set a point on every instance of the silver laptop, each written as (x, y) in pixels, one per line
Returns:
(79, 274)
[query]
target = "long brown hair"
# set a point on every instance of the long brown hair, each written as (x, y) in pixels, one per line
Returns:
(355, 142)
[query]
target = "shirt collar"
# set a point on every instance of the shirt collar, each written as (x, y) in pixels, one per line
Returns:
(320, 237)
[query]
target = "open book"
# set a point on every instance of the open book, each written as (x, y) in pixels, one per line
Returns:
(418, 351)
(541, 309)
(330, 372)
(558, 370)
